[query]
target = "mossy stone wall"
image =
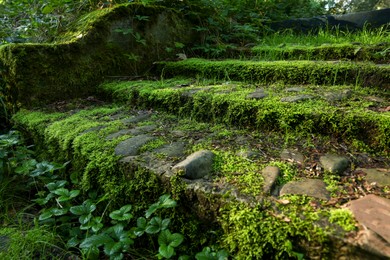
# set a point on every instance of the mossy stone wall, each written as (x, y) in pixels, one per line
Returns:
(121, 41)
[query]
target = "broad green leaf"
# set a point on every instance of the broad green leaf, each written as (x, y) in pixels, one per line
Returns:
(152, 208)
(56, 185)
(154, 225)
(141, 226)
(47, 9)
(122, 213)
(83, 219)
(26, 167)
(59, 212)
(46, 215)
(166, 251)
(96, 240)
(166, 202)
(165, 223)
(176, 239)
(73, 242)
(61, 192)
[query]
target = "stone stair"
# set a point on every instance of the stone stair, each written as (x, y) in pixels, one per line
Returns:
(266, 155)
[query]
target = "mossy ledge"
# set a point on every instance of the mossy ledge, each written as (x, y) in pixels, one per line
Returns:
(289, 72)
(349, 120)
(229, 209)
(95, 47)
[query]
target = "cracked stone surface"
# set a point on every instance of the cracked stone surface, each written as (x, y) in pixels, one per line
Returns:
(379, 176)
(131, 146)
(373, 212)
(135, 119)
(196, 165)
(298, 98)
(334, 163)
(270, 174)
(175, 149)
(311, 187)
(257, 94)
(293, 156)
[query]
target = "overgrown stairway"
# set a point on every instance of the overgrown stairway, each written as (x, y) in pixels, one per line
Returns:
(266, 154)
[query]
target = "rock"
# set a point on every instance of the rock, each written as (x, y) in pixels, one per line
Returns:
(257, 94)
(380, 177)
(338, 96)
(373, 212)
(311, 187)
(118, 134)
(270, 174)
(135, 119)
(298, 98)
(131, 146)
(196, 165)
(294, 89)
(291, 155)
(142, 129)
(248, 154)
(175, 149)
(334, 163)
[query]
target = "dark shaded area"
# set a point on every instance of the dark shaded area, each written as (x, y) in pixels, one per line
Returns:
(353, 21)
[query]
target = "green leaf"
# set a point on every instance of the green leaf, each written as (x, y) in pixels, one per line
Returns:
(166, 251)
(152, 208)
(122, 214)
(46, 215)
(141, 226)
(59, 212)
(165, 223)
(52, 186)
(96, 240)
(47, 9)
(154, 225)
(26, 167)
(176, 239)
(166, 238)
(166, 202)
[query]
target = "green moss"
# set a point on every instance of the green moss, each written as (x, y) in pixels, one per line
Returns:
(154, 144)
(344, 218)
(28, 244)
(288, 172)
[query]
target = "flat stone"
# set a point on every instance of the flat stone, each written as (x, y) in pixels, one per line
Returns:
(118, 134)
(142, 129)
(311, 187)
(135, 119)
(373, 212)
(334, 163)
(338, 96)
(298, 98)
(295, 89)
(270, 174)
(291, 155)
(379, 176)
(375, 99)
(131, 146)
(196, 165)
(175, 149)
(257, 94)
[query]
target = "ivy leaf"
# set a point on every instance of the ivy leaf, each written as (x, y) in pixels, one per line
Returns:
(166, 202)
(141, 226)
(154, 226)
(166, 251)
(96, 240)
(122, 214)
(173, 240)
(52, 186)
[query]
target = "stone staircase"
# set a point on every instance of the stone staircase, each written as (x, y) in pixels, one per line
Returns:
(266, 155)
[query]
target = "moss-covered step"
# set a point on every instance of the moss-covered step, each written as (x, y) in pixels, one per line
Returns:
(354, 114)
(132, 156)
(379, 53)
(121, 41)
(289, 72)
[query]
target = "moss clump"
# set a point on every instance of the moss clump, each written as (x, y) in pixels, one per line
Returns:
(290, 72)
(33, 243)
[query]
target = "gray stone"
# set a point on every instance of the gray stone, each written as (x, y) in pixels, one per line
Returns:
(175, 149)
(131, 146)
(135, 119)
(298, 98)
(196, 165)
(334, 163)
(379, 176)
(270, 174)
(291, 155)
(338, 96)
(257, 94)
(248, 154)
(118, 134)
(93, 129)
(311, 187)
(373, 212)
(142, 129)
(295, 89)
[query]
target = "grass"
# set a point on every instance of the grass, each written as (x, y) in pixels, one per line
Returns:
(328, 36)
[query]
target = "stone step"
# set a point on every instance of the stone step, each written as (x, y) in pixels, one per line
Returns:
(287, 72)
(238, 180)
(349, 113)
(378, 53)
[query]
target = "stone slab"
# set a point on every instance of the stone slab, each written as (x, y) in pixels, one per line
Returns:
(131, 146)
(373, 212)
(380, 177)
(196, 165)
(311, 187)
